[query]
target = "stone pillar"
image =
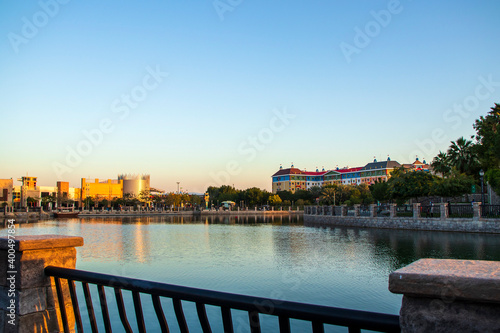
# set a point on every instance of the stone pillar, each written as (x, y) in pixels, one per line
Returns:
(416, 210)
(373, 210)
(443, 208)
(476, 207)
(26, 294)
(343, 210)
(392, 210)
(356, 210)
(448, 295)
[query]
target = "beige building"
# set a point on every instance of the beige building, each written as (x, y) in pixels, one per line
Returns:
(135, 184)
(6, 192)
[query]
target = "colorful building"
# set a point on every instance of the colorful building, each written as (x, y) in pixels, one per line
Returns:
(378, 171)
(292, 179)
(417, 166)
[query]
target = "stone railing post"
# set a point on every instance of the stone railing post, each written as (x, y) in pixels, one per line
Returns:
(343, 210)
(356, 210)
(416, 210)
(448, 295)
(476, 207)
(443, 209)
(392, 210)
(28, 301)
(373, 210)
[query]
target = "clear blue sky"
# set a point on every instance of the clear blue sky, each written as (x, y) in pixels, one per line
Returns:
(250, 85)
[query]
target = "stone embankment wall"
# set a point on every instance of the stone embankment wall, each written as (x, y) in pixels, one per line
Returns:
(337, 216)
(408, 223)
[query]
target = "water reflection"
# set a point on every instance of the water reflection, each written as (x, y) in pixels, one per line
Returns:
(269, 256)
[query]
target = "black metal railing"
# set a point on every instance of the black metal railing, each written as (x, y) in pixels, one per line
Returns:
(404, 211)
(383, 210)
(364, 211)
(350, 211)
(430, 211)
(490, 211)
(317, 315)
(460, 211)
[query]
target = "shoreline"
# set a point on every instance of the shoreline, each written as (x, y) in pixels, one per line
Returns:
(34, 216)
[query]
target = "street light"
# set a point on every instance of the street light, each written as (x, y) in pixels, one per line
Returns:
(481, 177)
(178, 187)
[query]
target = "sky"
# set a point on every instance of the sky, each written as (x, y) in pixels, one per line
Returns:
(223, 92)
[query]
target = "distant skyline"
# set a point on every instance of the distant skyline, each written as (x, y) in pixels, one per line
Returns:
(223, 92)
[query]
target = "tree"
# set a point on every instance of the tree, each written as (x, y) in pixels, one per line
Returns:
(453, 186)
(411, 185)
(328, 195)
(343, 193)
(286, 195)
(462, 156)
(315, 192)
(493, 178)
(274, 200)
(488, 139)
(365, 196)
(255, 196)
(441, 164)
(31, 201)
(144, 196)
(303, 195)
(48, 199)
(380, 190)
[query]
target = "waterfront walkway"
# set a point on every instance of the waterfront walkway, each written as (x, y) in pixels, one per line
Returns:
(27, 214)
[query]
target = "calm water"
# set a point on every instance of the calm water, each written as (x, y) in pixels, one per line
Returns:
(275, 257)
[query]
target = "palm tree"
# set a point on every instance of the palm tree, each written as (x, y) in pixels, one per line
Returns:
(328, 195)
(441, 164)
(461, 156)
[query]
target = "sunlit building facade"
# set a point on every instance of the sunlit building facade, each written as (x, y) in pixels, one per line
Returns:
(6, 192)
(292, 179)
(106, 189)
(135, 184)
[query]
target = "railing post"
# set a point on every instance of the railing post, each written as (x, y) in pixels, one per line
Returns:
(416, 210)
(392, 210)
(373, 210)
(356, 210)
(29, 301)
(343, 210)
(443, 295)
(476, 207)
(443, 208)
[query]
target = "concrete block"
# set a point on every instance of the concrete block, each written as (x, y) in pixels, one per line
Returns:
(32, 264)
(442, 315)
(473, 280)
(32, 300)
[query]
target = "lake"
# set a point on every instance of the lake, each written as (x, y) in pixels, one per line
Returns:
(276, 257)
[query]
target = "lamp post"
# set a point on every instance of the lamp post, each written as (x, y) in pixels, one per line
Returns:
(178, 187)
(481, 177)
